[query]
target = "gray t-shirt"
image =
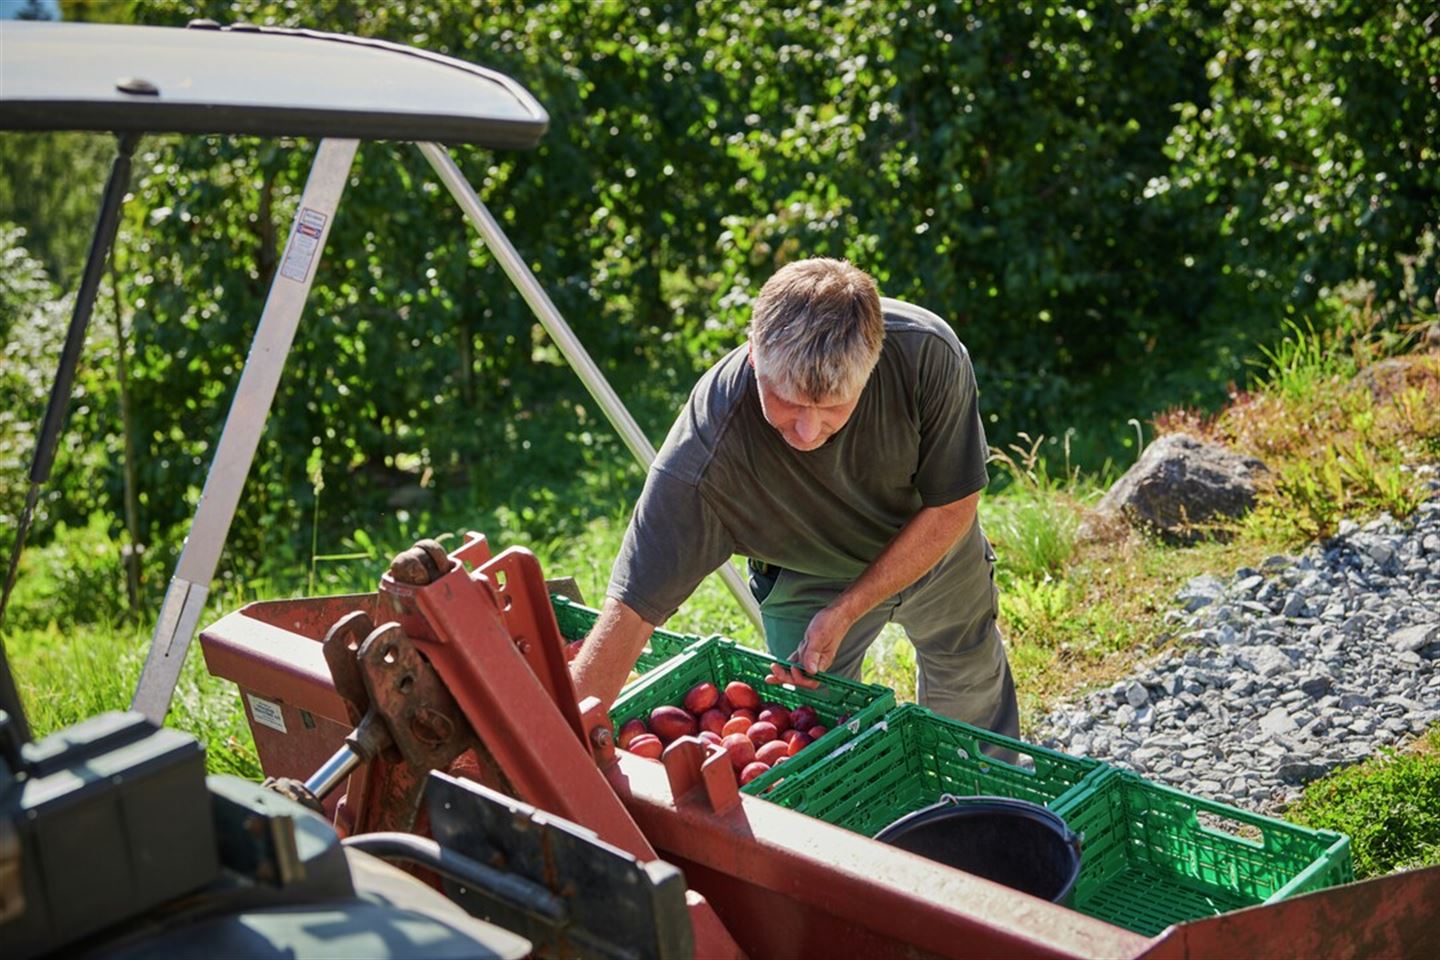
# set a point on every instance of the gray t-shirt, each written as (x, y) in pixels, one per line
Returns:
(726, 482)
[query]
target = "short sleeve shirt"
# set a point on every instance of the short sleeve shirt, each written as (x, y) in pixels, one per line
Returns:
(726, 482)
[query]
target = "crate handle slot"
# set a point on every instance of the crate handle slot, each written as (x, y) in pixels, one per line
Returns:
(1230, 828)
(1024, 765)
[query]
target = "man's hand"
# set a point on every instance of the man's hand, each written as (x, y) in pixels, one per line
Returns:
(918, 546)
(816, 652)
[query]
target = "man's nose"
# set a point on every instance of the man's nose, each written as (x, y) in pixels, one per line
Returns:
(807, 426)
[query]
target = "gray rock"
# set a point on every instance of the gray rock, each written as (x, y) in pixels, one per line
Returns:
(1248, 586)
(1267, 661)
(1300, 771)
(1295, 606)
(1416, 637)
(1314, 729)
(1179, 485)
(1200, 592)
(1136, 695)
(1381, 552)
(1276, 721)
(1314, 664)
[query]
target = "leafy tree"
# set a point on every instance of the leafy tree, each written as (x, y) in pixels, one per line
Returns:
(1110, 205)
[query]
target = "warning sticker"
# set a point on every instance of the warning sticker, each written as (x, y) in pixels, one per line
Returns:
(266, 712)
(304, 242)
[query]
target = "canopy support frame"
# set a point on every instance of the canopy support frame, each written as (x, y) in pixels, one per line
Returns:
(190, 586)
(549, 316)
(249, 410)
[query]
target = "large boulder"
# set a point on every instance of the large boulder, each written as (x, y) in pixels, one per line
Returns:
(1180, 487)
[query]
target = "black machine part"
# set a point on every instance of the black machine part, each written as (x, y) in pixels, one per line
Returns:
(290, 889)
(613, 905)
(113, 843)
(391, 915)
(113, 820)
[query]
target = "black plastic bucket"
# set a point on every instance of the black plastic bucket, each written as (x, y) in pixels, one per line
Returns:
(1014, 842)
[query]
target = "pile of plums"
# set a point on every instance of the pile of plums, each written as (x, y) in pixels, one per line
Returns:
(756, 734)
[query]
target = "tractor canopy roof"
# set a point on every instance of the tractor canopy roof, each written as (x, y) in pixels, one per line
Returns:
(263, 81)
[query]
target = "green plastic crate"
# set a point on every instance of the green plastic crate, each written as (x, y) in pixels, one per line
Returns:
(721, 661)
(576, 620)
(912, 759)
(1153, 856)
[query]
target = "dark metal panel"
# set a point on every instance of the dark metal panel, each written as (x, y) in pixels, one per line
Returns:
(262, 81)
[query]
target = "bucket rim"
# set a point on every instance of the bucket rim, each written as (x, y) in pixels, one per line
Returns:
(950, 804)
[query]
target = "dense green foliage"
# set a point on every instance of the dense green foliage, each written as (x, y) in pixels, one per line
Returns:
(1387, 806)
(1112, 206)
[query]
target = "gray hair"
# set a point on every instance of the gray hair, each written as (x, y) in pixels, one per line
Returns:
(816, 329)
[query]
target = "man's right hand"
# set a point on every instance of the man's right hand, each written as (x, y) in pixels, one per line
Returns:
(816, 652)
(606, 656)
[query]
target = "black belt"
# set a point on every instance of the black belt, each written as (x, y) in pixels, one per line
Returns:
(762, 569)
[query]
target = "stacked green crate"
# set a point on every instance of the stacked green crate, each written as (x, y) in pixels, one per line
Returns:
(845, 707)
(1152, 856)
(912, 758)
(576, 619)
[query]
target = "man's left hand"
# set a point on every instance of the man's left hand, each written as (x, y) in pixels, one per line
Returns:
(816, 652)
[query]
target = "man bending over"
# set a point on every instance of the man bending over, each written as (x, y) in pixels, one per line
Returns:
(841, 450)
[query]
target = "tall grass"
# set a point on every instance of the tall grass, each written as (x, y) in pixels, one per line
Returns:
(1033, 522)
(1303, 361)
(1337, 446)
(68, 674)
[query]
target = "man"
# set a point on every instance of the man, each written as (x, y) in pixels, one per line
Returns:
(842, 450)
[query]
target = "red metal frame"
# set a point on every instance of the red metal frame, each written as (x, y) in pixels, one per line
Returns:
(271, 649)
(1395, 916)
(491, 635)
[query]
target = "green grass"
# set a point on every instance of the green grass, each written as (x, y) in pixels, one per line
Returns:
(66, 675)
(1389, 806)
(1304, 361)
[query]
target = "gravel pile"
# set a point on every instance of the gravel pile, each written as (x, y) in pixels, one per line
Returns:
(1310, 663)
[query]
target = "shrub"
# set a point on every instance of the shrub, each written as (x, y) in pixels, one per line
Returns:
(1387, 805)
(75, 578)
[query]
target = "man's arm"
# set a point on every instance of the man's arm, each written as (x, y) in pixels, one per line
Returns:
(609, 652)
(920, 544)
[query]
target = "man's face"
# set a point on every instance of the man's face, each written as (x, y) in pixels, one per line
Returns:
(803, 422)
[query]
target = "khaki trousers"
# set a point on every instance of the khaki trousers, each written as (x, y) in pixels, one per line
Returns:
(961, 667)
